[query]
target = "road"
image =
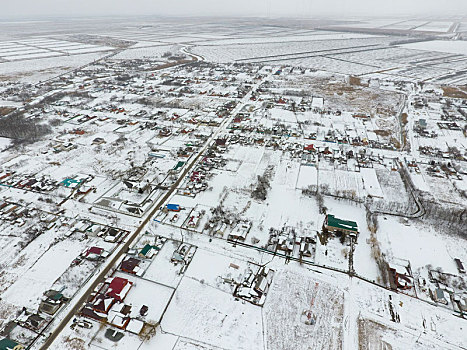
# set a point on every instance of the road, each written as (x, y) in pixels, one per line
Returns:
(124, 247)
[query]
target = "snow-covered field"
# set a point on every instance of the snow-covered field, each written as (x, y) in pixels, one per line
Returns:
(454, 47)
(291, 294)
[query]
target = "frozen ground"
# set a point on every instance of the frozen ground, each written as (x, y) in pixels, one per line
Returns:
(291, 294)
(455, 47)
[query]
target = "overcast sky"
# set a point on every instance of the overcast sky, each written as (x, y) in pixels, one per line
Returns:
(303, 8)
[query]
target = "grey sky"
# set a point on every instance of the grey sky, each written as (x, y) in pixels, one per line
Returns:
(305, 8)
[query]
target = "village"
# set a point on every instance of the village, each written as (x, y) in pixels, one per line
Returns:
(173, 202)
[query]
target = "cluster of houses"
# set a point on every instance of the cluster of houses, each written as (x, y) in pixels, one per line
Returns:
(449, 289)
(29, 323)
(28, 183)
(255, 285)
(108, 305)
(197, 180)
(288, 242)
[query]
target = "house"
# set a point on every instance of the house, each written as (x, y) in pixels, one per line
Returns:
(462, 302)
(339, 226)
(240, 231)
(102, 303)
(131, 265)
(112, 235)
(221, 142)
(148, 251)
(118, 288)
(95, 253)
(178, 166)
(220, 229)
(8, 344)
(399, 279)
(90, 312)
(439, 296)
(52, 302)
(422, 124)
(35, 322)
(307, 246)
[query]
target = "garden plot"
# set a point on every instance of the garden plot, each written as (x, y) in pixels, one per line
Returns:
(99, 341)
(420, 324)
(370, 23)
(28, 49)
(374, 335)
(422, 245)
(223, 269)
(282, 115)
(23, 335)
(152, 294)
(441, 189)
(330, 64)
(340, 181)
(19, 260)
(162, 269)
(371, 183)
(75, 277)
(183, 344)
(290, 295)
(43, 273)
(12, 51)
(307, 177)
(392, 186)
(72, 50)
(197, 218)
(211, 316)
(333, 253)
(176, 219)
(418, 318)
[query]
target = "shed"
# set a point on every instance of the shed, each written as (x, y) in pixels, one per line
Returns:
(173, 207)
(135, 326)
(459, 265)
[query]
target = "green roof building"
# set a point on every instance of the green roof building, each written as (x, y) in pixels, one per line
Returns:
(178, 166)
(8, 344)
(334, 224)
(148, 251)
